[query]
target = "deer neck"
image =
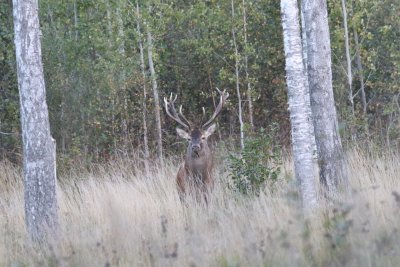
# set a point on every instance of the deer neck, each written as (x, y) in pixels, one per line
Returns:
(199, 163)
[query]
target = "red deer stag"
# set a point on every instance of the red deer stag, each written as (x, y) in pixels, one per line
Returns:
(195, 173)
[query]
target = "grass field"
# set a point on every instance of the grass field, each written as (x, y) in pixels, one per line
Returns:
(113, 215)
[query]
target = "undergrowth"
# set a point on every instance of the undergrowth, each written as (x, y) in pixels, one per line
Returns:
(112, 214)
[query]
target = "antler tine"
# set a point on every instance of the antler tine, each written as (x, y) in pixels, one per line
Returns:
(203, 116)
(170, 109)
(173, 100)
(223, 96)
(184, 118)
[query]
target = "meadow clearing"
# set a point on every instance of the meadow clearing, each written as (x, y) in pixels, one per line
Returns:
(112, 214)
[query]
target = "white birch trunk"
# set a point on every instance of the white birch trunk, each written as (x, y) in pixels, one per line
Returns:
(299, 102)
(246, 68)
(113, 94)
(329, 147)
(38, 145)
(156, 97)
(360, 72)
(76, 21)
(304, 52)
(348, 59)
(304, 42)
(109, 26)
(241, 125)
(122, 78)
(144, 113)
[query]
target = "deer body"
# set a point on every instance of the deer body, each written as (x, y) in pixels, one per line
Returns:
(196, 170)
(195, 174)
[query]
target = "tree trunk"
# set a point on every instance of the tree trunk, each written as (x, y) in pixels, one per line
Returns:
(305, 65)
(360, 72)
(113, 93)
(76, 21)
(348, 60)
(246, 68)
(213, 100)
(156, 97)
(38, 145)
(304, 42)
(237, 79)
(109, 26)
(122, 78)
(144, 114)
(302, 133)
(329, 147)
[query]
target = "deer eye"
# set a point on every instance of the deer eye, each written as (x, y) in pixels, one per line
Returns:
(189, 139)
(203, 138)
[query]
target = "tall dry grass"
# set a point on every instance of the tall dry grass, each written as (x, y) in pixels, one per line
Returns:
(113, 215)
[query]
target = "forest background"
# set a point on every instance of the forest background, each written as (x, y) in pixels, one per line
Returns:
(94, 82)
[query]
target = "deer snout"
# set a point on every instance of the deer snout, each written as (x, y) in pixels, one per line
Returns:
(195, 147)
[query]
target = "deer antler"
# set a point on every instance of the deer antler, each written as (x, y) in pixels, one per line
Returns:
(204, 114)
(223, 96)
(170, 109)
(184, 118)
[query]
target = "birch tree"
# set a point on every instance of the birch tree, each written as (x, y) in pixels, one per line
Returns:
(329, 147)
(155, 96)
(348, 58)
(305, 65)
(299, 104)
(360, 73)
(241, 124)
(144, 105)
(246, 68)
(122, 77)
(38, 145)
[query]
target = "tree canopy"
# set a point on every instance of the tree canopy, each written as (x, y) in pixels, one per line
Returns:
(193, 53)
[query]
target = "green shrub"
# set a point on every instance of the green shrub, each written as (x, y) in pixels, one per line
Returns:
(258, 164)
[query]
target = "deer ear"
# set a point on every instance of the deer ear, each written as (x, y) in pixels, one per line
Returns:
(183, 134)
(210, 130)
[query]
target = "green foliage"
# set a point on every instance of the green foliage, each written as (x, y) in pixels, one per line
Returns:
(9, 112)
(258, 164)
(377, 27)
(94, 82)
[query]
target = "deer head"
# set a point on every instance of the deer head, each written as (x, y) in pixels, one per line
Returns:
(197, 139)
(196, 135)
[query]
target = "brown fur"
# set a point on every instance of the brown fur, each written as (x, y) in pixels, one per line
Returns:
(195, 173)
